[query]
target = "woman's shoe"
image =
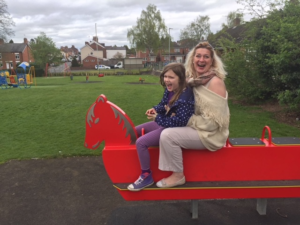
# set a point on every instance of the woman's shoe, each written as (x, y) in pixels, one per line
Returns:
(162, 183)
(145, 180)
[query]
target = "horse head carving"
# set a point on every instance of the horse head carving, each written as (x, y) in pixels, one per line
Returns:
(107, 122)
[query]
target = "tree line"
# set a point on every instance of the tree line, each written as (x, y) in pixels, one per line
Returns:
(264, 66)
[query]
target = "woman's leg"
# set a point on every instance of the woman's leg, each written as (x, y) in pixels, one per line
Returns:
(172, 140)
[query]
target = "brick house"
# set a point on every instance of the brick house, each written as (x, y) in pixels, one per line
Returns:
(69, 53)
(178, 52)
(93, 51)
(13, 53)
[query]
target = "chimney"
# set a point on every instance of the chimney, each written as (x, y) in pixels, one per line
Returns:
(95, 38)
(25, 41)
(236, 22)
(1, 41)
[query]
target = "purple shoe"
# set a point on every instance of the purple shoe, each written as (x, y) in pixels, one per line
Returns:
(145, 180)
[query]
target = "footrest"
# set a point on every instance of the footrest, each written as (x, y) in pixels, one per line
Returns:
(286, 141)
(246, 142)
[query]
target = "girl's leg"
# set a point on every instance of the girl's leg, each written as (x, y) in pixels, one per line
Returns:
(149, 126)
(172, 140)
(143, 142)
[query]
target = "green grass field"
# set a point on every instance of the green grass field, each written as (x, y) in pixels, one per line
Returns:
(48, 120)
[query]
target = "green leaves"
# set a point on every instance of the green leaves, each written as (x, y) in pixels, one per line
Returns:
(150, 31)
(44, 50)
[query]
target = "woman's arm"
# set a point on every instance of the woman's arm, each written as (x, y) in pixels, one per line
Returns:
(217, 86)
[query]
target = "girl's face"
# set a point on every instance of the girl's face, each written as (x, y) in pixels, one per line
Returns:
(202, 60)
(171, 81)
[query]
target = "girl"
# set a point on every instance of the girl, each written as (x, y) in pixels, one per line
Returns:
(174, 110)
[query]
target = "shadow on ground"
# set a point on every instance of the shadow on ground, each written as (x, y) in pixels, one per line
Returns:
(77, 191)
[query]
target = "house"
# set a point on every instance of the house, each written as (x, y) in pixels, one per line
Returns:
(93, 53)
(178, 52)
(237, 33)
(115, 52)
(12, 54)
(69, 53)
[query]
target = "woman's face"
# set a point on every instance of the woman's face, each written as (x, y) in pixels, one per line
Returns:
(171, 81)
(202, 60)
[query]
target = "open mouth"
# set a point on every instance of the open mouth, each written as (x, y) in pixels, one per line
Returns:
(201, 66)
(169, 85)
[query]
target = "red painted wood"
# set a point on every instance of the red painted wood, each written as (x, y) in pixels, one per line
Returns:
(107, 122)
(179, 194)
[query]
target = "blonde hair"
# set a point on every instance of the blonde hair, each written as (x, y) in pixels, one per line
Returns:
(217, 64)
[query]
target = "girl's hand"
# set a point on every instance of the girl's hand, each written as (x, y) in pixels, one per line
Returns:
(150, 112)
(152, 116)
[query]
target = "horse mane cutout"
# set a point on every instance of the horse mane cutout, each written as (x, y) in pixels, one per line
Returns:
(126, 125)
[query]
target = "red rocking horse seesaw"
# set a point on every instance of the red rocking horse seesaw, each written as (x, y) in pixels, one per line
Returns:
(244, 168)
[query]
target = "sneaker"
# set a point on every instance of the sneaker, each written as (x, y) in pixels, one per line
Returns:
(145, 180)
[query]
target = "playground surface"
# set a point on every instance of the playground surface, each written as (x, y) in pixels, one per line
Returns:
(77, 191)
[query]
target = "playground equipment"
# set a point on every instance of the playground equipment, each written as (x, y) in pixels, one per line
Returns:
(7, 80)
(25, 80)
(245, 168)
(67, 70)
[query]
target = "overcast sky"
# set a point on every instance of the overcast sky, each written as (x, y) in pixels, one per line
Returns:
(72, 22)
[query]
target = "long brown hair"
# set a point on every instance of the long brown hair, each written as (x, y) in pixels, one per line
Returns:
(179, 70)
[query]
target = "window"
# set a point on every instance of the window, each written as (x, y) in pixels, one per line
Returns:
(250, 53)
(0, 55)
(17, 55)
(86, 60)
(176, 50)
(1, 65)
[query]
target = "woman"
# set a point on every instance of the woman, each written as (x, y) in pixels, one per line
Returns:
(208, 128)
(174, 110)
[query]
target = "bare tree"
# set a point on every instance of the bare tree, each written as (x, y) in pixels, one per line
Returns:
(259, 8)
(232, 17)
(118, 55)
(5, 21)
(196, 31)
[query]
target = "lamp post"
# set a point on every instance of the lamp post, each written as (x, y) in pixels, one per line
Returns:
(169, 45)
(97, 46)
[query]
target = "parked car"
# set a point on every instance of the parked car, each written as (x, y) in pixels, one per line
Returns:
(119, 65)
(100, 67)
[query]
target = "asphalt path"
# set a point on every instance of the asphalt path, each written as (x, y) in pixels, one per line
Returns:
(77, 191)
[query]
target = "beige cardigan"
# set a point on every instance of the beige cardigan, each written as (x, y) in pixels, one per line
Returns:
(211, 118)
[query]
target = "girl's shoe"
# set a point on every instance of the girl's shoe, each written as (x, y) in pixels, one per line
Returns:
(145, 180)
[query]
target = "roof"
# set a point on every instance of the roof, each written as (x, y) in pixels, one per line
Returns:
(12, 47)
(114, 48)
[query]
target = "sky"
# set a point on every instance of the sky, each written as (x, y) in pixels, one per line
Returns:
(73, 22)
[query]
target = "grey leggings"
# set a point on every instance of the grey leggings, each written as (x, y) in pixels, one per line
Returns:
(151, 138)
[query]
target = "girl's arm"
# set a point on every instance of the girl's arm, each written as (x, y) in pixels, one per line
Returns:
(160, 107)
(184, 110)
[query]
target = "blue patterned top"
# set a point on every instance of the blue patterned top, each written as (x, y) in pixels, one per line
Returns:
(179, 113)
